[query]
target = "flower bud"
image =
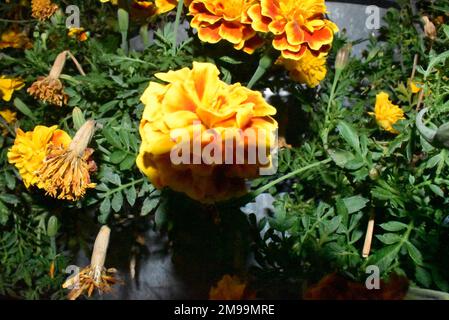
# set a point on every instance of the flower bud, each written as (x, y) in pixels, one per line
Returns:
(429, 28)
(52, 226)
(343, 57)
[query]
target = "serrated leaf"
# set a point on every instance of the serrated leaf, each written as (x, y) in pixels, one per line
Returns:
(117, 156)
(355, 203)
(4, 214)
(117, 201)
(111, 137)
(349, 134)
(389, 238)
(128, 163)
(423, 276)
(437, 190)
(148, 205)
(414, 253)
(105, 209)
(393, 226)
(131, 195)
(341, 157)
(384, 257)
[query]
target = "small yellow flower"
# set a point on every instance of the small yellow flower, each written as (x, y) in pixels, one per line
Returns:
(230, 288)
(10, 118)
(14, 39)
(386, 113)
(309, 70)
(78, 33)
(43, 9)
(29, 149)
(114, 2)
(415, 87)
(164, 6)
(65, 171)
(8, 86)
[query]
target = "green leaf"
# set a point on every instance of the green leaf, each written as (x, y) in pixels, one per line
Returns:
(341, 157)
(389, 238)
(131, 195)
(414, 253)
(160, 216)
(105, 210)
(384, 257)
(111, 137)
(4, 214)
(148, 205)
(117, 156)
(128, 163)
(423, 276)
(437, 190)
(393, 226)
(349, 134)
(22, 107)
(355, 203)
(78, 118)
(117, 201)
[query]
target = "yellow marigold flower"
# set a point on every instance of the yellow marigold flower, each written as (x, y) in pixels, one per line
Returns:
(79, 34)
(230, 288)
(43, 9)
(197, 103)
(15, 39)
(386, 113)
(65, 171)
(8, 86)
(29, 150)
(298, 26)
(164, 6)
(10, 118)
(225, 19)
(94, 276)
(309, 70)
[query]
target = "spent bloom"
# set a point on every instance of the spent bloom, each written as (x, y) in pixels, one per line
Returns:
(225, 20)
(43, 9)
(386, 113)
(196, 103)
(65, 171)
(297, 26)
(230, 288)
(30, 148)
(309, 70)
(95, 276)
(50, 88)
(15, 39)
(8, 86)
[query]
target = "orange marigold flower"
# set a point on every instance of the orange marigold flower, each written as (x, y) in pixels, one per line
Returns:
(298, 26)
(225, 19)
(196, 103)
(30, 148)
(15, 39)
(230, 288)
(43, 9)
(65, 171)
(309, 70)
(79, 34)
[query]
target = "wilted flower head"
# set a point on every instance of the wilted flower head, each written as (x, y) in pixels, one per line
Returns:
(225, 20)
(309, 70)
(43, 9)
(29, 150)
(94, 276)
(195, 102)
(8, 86)
(15, 39)
(65, 171)
(50, 89)
(230, 288)
(297, 26)
(386, 113)
(429, 28)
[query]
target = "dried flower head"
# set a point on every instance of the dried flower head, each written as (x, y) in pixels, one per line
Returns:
(43, 9)
(429, 28)
(65, 172)
(94, 276)
(50, 89)
(15, 39)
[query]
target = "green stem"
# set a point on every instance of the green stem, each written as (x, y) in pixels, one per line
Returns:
(264, 64)
(122, 187)
(327, 124)
(178, 19)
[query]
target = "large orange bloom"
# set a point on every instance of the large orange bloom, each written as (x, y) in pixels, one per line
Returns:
(225, 19)
(297, 26)
(197, 104)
